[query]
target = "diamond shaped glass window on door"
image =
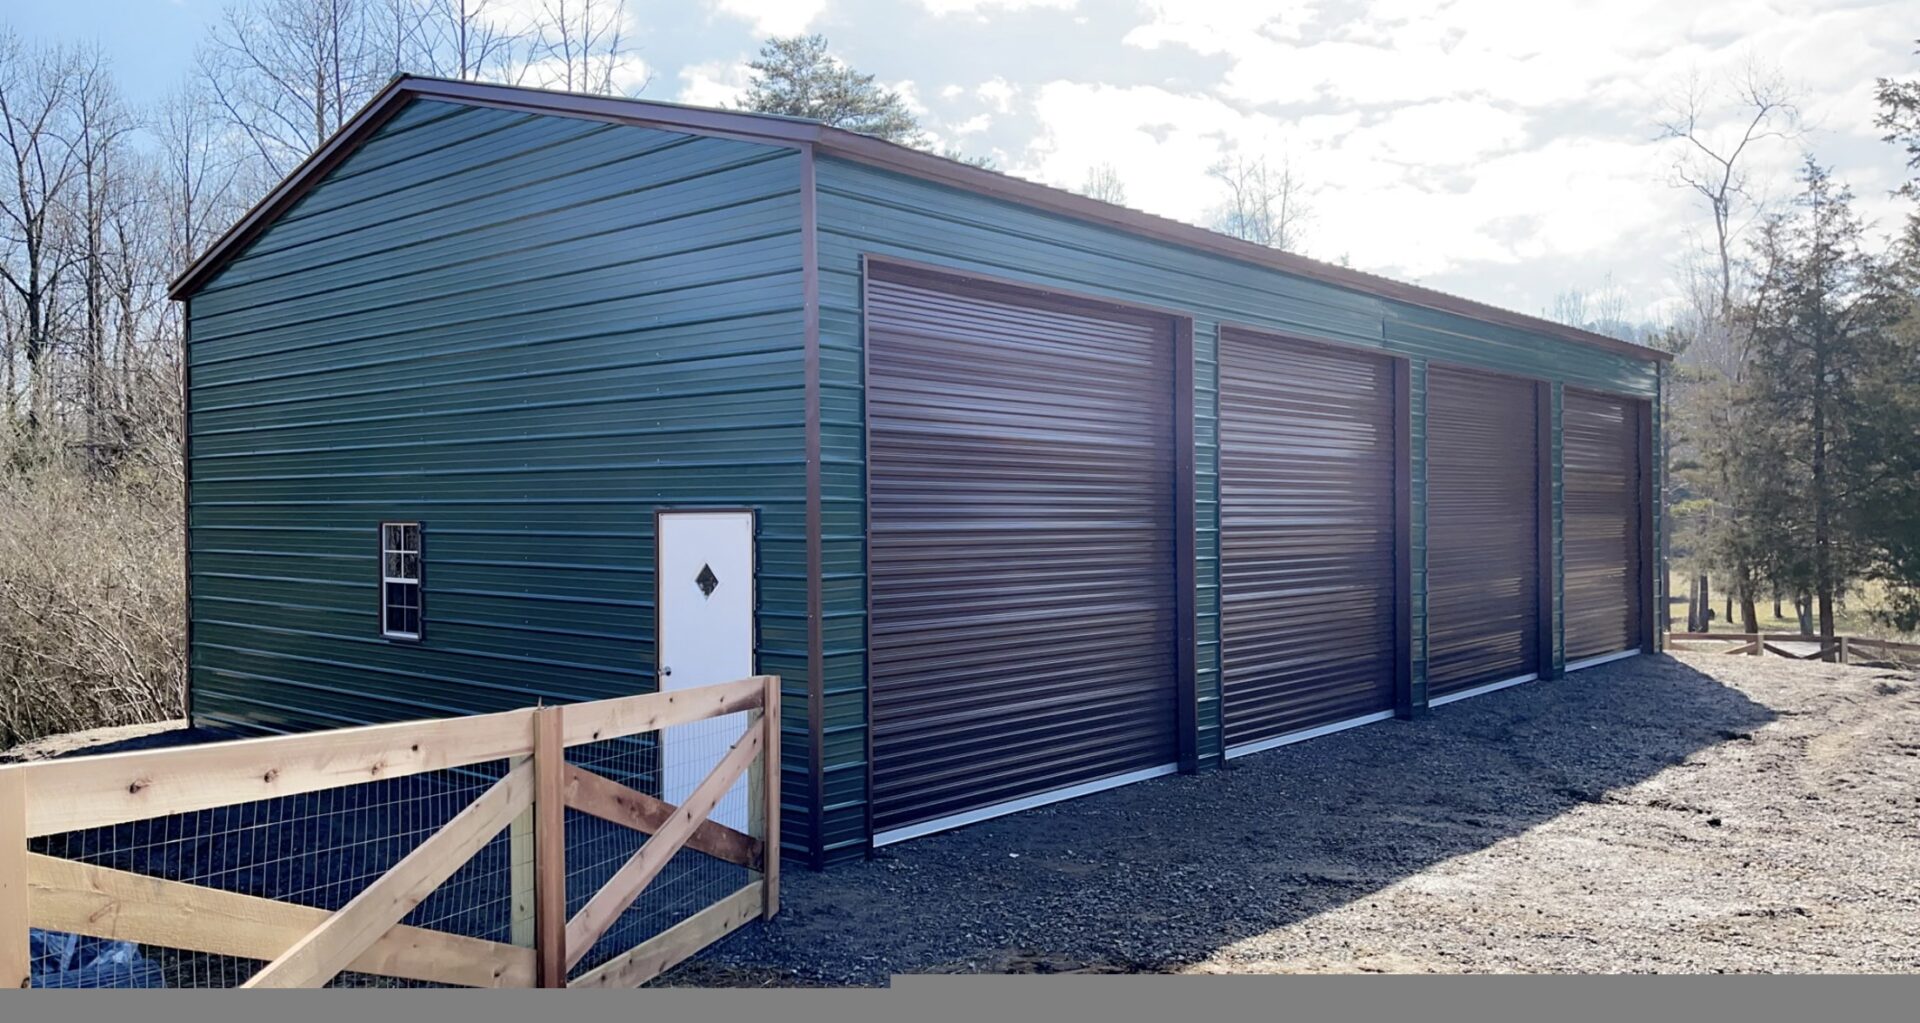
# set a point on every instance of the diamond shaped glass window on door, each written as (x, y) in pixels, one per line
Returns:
(706, 580)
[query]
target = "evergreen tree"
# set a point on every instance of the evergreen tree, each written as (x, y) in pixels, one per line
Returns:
(1819, 328)
(1890, 452)
(796, 76)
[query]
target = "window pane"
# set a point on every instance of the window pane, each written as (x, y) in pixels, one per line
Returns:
(400, 579)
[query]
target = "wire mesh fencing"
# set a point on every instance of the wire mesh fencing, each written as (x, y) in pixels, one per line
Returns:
(671, 825)
(653, 764)
(316, 850)
(401, 856)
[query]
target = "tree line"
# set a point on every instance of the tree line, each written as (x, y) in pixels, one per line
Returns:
(1793, 409)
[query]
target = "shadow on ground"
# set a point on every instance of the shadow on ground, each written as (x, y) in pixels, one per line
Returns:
(1160, 875)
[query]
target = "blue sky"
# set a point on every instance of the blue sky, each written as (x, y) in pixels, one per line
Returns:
(1498, 150)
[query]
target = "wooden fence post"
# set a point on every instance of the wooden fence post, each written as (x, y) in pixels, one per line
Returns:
(550, 848)
(1843, 650)
(1759, 643)
(520, 869)
(16, 956)
(768, 806)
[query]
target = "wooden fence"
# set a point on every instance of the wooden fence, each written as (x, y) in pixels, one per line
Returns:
(305, 946)
(1844, 649)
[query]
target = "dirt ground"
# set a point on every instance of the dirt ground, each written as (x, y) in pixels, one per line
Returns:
(1688, 814)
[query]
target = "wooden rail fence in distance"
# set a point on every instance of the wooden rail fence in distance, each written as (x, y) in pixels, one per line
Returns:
(1758, 643)
(307, 947)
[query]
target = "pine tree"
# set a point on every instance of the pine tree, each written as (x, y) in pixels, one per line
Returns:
(1819, 328)
(796, 76)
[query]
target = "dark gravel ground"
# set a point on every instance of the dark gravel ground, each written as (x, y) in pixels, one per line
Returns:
(1689, 814)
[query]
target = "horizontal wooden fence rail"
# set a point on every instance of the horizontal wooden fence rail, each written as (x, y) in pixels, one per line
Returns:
(527, 796)
(1756, 644)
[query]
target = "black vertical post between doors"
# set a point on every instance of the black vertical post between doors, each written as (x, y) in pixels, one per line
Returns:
(1645, 451)
(1185, 550)
(1543, 521)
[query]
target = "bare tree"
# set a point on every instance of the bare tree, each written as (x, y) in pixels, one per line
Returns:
(36, 97)
(288, 73)
(1602, 310)
(146, 342)
(397, 36)
(580, 45)
(469, 39)
(1759, 106)
(1716, 127)
(101, 126)
(1266, 205)
(199, 170)
(1103, 183)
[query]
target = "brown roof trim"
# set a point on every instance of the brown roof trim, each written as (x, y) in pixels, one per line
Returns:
(775, 129)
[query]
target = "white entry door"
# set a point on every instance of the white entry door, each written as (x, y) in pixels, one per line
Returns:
(705, 565)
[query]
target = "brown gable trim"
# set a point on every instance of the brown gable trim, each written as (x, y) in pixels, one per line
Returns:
(777, 130)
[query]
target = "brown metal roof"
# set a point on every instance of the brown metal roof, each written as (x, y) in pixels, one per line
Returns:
(802, 133)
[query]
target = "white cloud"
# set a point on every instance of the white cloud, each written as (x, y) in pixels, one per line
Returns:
(1444, 133)
(976, 7)
(1218, 26)
(909, 96)
(1162, 142)
(774, 17)
(713, 84)
(1504, 157)
(998, 93)
(971, 126)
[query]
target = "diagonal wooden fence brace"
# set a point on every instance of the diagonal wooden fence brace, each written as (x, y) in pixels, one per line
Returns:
(632, 878)
(661, 953)
(335, 944)
(602, 797)
(101, 902)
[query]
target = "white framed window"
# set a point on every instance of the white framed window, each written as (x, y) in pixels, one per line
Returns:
(400, 603)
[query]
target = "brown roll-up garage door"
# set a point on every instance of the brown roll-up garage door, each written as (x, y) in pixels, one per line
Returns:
(1021, 523)
(1483, 550)
(1600, 523)
(1308, 619)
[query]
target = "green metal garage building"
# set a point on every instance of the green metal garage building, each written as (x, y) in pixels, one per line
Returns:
(1035, 495)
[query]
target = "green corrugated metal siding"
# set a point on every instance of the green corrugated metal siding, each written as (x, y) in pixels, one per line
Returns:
(528, 332)
(868, 211)
(1417, 487)
(843, 828)
(1206, 529)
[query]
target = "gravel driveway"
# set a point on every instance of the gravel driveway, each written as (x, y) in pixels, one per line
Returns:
(1696, 813)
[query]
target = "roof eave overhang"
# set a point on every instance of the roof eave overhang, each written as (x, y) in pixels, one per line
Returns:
(860, 149)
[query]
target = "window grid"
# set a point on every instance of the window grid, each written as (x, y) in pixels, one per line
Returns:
(400, 603)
